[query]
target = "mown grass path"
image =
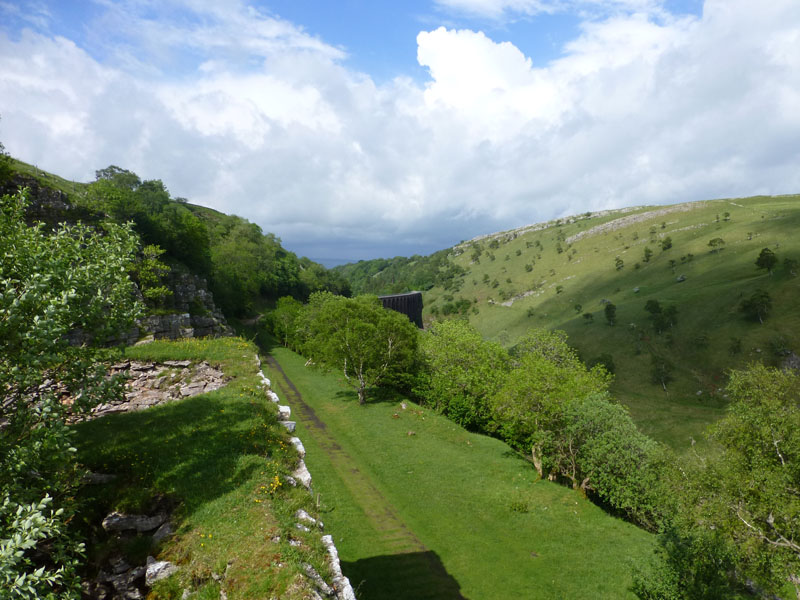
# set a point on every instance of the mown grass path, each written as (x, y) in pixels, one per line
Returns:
(420, 508)
(377, 508)
(419, 572)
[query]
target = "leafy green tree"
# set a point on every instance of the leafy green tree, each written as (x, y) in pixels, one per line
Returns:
(578, 308)
(757, 306)
(614, 460)
(52, 286)
(459, 372)
(611, 313)
(735, 526)
(530, 406)
(5, 165)
(619, 263)
(716, 244)
(648, 254)
(283, 320)
(149, 272)
(661, 370)
(588, 318)
(666, 243)
(767, 260)
(606, 360)
(368, 343)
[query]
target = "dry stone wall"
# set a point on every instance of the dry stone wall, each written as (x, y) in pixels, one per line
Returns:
(341, 588)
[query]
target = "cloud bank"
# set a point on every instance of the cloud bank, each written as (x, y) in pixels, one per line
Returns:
(247, 113)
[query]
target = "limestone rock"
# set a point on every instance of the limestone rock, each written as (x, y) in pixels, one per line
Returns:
(302, 475)
(298, 445)
(142, 523)
(158, 570)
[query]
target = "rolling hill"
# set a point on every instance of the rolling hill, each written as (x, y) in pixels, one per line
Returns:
(562, 274)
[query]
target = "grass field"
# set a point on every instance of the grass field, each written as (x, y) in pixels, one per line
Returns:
(420, 508)
(214, 458)
(562, 286)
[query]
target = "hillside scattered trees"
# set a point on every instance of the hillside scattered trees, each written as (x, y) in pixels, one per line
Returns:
(51, 287)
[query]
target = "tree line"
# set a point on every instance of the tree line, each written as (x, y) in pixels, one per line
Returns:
(727, 522)
(244, 265)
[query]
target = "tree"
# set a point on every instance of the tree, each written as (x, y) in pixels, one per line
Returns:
(578, 308)
(666, 243)
(5, 165)
(529, 407)
(757, 306)
(716, 245)
(368, 343)
(459, 372)
(648, 253)
(588, 318)
(661, 370)
(52, 287)
(618, 263)
(283, 320)
(767, 260)
(735, 524)
(611, 313)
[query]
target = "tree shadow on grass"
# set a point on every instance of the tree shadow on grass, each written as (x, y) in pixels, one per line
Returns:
(375, 395)
(196, 450)
(410, 576)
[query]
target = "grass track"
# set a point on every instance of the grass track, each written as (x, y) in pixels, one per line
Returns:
(454, 492)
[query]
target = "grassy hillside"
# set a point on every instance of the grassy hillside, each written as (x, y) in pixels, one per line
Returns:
(215, 458)
(549, 275)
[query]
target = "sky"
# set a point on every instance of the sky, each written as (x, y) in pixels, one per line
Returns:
(360, 129)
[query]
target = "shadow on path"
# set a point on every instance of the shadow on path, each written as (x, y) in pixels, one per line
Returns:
(402, 577)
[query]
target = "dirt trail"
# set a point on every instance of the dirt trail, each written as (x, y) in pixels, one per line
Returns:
(379, 511)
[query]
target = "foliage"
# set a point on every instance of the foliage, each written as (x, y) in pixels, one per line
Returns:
(716, 244)
(648, 254)
(666, 243)
(5, 165)
(661, 370)
(757, 306)
(401, 274)
(530, 406)
(736, 521)
(663, 317)
(459, 372)
(368, 343)
(243, 263)
(610, 312)
(766, 260)
(51, 286)
(149, 272)
(282, 320)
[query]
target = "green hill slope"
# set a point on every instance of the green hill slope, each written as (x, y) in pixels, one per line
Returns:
(551, 274)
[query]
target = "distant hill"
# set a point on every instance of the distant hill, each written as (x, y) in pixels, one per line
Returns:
(553, 274)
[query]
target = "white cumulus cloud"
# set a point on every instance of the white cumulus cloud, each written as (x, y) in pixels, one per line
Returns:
(247, 113)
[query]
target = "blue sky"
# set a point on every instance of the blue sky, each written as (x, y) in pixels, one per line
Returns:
(358, 129)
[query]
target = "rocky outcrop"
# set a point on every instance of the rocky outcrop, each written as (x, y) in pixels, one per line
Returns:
(150, 384)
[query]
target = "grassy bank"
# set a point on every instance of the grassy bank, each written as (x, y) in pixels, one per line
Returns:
(214, 459)
(481, 526)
